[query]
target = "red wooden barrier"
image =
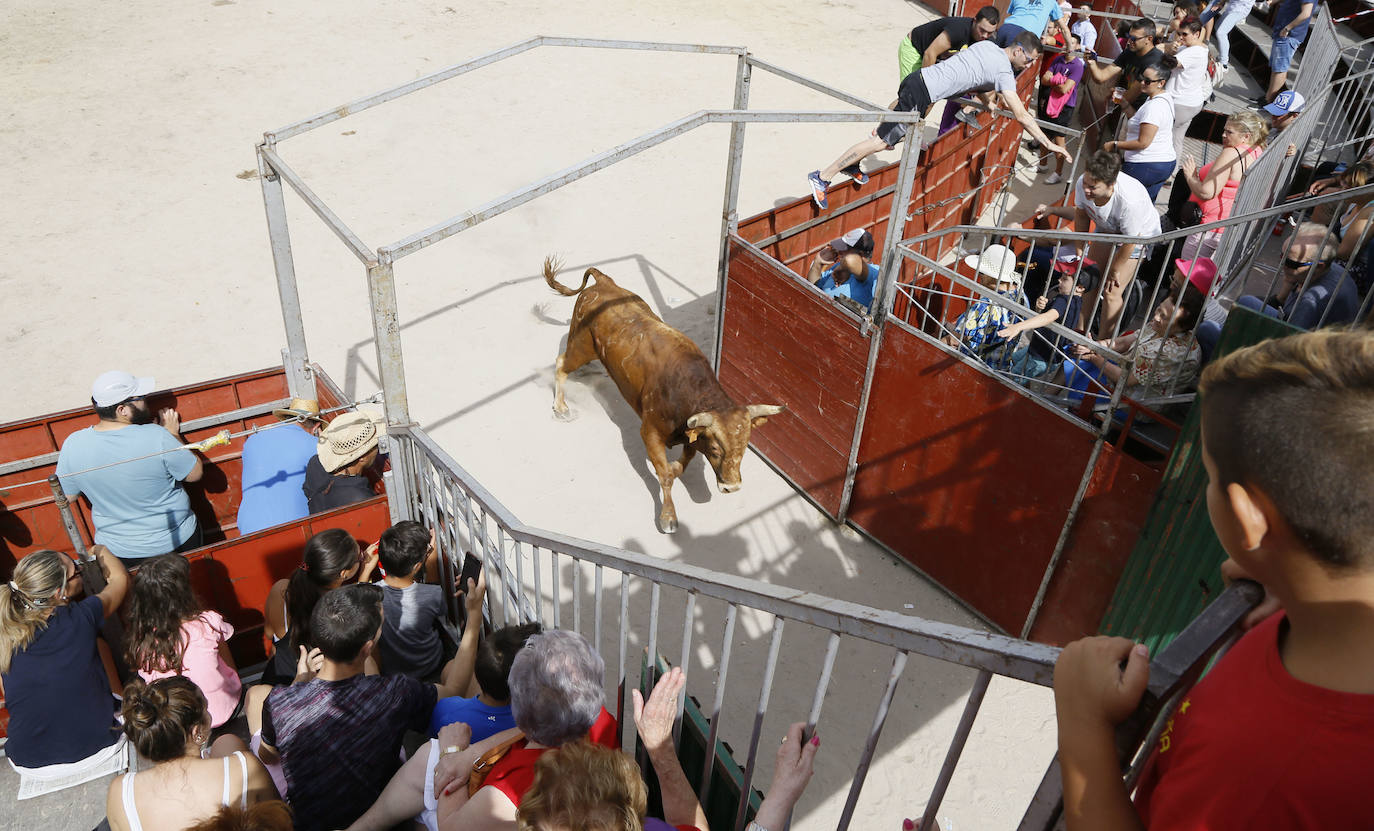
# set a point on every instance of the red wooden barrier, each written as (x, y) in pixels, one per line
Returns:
(784, 342)
(30, 521)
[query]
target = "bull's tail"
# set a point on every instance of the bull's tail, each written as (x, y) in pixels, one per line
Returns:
(551, 266)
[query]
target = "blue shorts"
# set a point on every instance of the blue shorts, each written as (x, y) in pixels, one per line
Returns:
(1282, 55)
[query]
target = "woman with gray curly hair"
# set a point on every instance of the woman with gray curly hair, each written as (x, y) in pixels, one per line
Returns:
(556, 697)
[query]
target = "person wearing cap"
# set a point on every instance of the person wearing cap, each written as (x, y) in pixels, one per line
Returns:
(337, 474)
(975, 332)
(274, 463)
(1201, 273)
(138, 505)
(843, 271)
(1291, 23)
(1108, 201)
(1284, 109)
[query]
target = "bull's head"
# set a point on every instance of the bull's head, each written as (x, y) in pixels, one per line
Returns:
(722, 436)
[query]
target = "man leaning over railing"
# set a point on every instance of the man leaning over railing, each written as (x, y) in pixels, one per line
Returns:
(1280, 734)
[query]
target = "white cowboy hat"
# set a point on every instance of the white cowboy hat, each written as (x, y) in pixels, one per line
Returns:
(997, 262)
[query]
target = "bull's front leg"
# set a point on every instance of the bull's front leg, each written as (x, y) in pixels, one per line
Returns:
(658, 457)
(680, 466)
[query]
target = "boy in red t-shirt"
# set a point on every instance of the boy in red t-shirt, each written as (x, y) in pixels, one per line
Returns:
(1281, 733)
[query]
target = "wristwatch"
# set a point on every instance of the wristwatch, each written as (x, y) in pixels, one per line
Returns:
(450, 750)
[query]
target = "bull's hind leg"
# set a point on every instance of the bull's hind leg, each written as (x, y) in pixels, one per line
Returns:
(658, 457)
(579, 353)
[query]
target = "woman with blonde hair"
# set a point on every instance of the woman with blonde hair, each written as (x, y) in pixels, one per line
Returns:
(1211, 191)
(169, 722)
(55, 686)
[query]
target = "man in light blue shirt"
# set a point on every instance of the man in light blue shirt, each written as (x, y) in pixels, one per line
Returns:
(1030, 16)
(137, 502)
(843, 271)
(274, 463)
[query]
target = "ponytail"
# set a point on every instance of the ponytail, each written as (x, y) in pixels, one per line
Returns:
(327, 555)
(27, 599)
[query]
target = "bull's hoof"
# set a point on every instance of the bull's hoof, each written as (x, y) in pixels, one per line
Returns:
(667, 526)
(565, 414)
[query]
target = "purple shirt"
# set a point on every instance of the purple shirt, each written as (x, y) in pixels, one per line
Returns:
(1073, 70)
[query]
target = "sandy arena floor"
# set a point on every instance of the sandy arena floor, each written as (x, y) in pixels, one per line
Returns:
(138, 241)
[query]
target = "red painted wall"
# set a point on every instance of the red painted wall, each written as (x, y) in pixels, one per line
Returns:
(786, 343)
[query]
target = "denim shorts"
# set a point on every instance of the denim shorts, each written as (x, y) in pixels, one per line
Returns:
(1282, 55)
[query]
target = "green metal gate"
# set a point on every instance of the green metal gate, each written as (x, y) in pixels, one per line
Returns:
(1174, 570)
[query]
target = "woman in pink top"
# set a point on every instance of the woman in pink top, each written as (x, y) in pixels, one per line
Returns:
(1213, 187)
(169, 634)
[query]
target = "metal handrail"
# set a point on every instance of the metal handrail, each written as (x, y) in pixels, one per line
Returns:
(1022, 660)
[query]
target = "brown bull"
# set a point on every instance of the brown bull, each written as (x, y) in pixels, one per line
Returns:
(663, 375)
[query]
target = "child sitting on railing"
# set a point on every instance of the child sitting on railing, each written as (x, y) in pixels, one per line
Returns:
(1280, 733)
(170, 634)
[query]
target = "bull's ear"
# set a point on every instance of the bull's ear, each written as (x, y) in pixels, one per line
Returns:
(692, 434)
(758, 413)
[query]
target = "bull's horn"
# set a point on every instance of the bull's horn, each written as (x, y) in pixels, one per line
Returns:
(756, 410)
(700, 421)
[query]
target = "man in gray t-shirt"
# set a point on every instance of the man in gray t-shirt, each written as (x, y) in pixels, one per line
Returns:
(982, 66)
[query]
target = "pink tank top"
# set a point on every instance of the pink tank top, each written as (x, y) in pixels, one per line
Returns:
(1219, 206)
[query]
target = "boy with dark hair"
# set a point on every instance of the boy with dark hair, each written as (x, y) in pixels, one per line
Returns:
(1280, 734)
(489, 660)
(337, 733)
(414, 609)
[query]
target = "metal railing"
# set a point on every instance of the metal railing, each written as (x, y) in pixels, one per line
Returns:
(564, 582)
(612, 595)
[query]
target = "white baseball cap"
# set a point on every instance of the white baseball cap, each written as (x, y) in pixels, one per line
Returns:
(115, 386)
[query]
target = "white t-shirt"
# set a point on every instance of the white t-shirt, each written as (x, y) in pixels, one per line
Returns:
(1189, 84)
(1129, 211)
(1087, 33)
(984, 65)
(1159, 111)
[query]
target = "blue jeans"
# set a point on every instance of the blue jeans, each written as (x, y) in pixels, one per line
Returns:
(1222, 33)
(1152, 175)
(1281, 57)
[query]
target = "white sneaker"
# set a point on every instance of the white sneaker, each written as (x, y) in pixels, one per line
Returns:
(1054, 178)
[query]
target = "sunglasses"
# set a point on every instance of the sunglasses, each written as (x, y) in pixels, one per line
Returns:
(1294, 265)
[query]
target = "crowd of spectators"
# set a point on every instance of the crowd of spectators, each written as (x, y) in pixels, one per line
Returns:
(1162, 78)
(360, 676)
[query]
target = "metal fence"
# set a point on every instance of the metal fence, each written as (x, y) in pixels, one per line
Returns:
(564, 582)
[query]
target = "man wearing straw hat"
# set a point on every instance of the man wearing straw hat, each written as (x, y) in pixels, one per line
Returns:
(336, 474)
(274, 461)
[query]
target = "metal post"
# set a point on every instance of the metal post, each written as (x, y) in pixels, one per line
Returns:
(956, 748)
(300, 380)
(68, 519)
(888, 273)
(729, 219)
(386, 332)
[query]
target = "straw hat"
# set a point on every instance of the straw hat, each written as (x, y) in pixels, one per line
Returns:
(347, 439)
(997, 262)
(303, 408)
